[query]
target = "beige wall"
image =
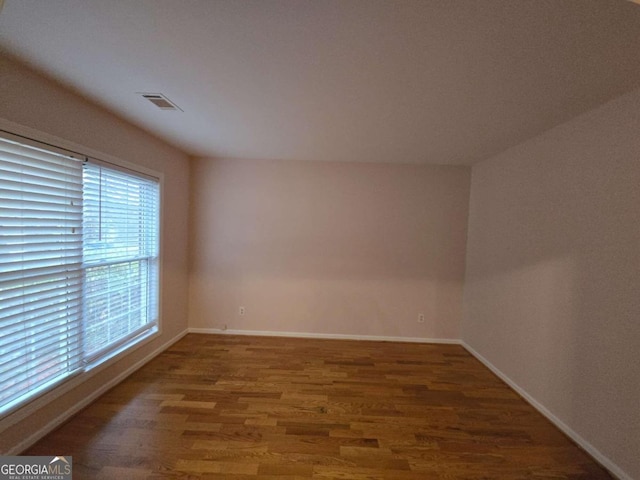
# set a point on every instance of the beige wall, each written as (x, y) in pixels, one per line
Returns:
(329, 248)
(552, 293)
(33, 101)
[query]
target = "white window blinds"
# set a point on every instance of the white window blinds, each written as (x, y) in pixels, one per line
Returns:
(79, 247)
(120, 256)
(40, 276)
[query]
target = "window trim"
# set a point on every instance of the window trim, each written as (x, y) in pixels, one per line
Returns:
(153, 262)
(31, 136)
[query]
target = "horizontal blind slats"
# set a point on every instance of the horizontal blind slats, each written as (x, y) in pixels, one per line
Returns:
(40, 176)
(40, 260)
(28, 262)
(14, 290)
(40, 273)
(18, 233)
(59, 192)
(27, 159)
(44, 153)
(43, 307)
(43, 340)
(32, 375)
(38, 246)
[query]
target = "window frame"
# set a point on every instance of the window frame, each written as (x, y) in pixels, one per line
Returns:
(87, 265)
(31, 136)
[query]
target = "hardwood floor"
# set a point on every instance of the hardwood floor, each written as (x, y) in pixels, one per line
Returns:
(281, 408)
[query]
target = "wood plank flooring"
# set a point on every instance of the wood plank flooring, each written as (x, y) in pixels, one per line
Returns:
(241, 407)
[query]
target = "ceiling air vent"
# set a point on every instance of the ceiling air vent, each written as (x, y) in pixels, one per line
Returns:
(161, 101)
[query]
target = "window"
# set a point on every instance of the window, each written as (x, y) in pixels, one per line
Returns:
(78, 264)
(120, 256)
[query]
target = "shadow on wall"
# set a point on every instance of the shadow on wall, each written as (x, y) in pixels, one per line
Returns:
(333, 220)
(553, 278)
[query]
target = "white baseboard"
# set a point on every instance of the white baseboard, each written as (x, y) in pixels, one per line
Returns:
(72, 410)
(326, 336)
(584, 444)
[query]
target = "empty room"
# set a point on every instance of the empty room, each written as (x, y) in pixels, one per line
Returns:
(320, 239)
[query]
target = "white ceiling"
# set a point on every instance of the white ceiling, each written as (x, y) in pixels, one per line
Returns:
(419, 81)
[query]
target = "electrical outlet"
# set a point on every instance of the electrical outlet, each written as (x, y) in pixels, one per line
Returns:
(241, 311)
(421, 318)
